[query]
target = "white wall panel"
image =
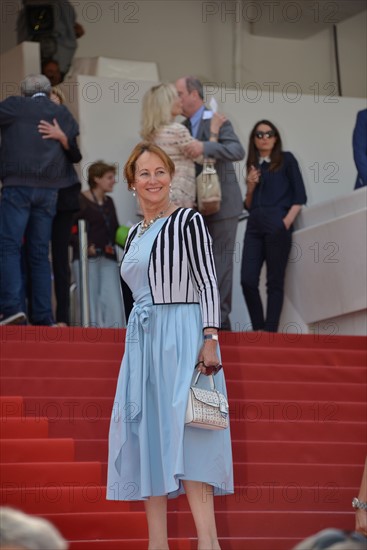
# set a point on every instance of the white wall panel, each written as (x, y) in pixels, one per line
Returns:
(317, 132)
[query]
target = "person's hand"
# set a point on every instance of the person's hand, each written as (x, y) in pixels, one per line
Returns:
(79, 30)
(194, 149)
(52, 131)
(216, 122)
(208, 357)
(253, 178)
(92, 250)
(361, 522)
(287, 223)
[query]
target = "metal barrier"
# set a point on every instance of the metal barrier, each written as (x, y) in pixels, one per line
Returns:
(83, 274)
(73, 296)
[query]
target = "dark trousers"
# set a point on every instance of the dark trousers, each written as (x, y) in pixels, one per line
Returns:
(266, 240)
(61, 229)
(26, 211)
(223, 233)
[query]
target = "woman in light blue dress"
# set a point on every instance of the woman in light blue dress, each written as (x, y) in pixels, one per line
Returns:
(169, 268)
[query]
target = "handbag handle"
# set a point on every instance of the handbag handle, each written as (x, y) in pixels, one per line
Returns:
(214, 370)
(210, 376)
(208, 166)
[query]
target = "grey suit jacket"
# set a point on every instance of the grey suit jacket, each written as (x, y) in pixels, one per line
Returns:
(227, 150)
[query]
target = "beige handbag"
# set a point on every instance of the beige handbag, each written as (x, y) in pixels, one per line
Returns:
(206, 409)
(208, 189)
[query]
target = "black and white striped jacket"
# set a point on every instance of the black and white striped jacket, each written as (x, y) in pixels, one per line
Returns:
(181, 266)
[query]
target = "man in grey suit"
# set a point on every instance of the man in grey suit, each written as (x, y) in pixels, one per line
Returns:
(227, 149)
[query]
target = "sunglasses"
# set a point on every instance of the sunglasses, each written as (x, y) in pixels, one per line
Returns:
(268, 134)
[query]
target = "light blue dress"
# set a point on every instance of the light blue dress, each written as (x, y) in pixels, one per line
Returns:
(150, 449)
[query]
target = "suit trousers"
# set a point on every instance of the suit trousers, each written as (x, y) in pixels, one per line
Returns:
(266, 241)
(223, 233)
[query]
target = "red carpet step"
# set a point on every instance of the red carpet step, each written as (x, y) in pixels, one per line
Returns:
(35, 450)
(70, 498)
(298, 422)
(122, 525)
(250, 410)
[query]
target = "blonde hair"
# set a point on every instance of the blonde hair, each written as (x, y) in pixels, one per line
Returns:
(157, 109)
(58, 93)
(20, 530)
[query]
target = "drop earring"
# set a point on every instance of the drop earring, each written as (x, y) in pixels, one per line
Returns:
(134, 194)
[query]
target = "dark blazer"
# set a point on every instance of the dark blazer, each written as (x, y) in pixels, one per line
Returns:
(68, 198)
(226, 151)
(281, 188)
(360, 148)
(28, 159)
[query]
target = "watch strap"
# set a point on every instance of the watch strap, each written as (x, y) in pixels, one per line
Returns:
(211, 337)
(359, 504)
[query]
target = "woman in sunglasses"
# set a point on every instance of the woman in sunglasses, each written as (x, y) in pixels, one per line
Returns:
(275, 195)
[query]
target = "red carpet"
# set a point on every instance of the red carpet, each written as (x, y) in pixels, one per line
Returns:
(298, 420)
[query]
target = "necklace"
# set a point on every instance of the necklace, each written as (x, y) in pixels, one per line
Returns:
(100, 203)
(145, 225)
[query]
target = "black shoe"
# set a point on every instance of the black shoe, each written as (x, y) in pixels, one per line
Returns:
(19, 318)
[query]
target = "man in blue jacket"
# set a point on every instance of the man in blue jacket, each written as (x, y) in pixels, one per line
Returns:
(32, 170)
(360, 148)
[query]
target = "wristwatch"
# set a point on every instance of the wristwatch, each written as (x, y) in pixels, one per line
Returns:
(211, 337)
(358, 504)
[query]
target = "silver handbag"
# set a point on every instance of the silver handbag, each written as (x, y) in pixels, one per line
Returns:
(207, 409)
